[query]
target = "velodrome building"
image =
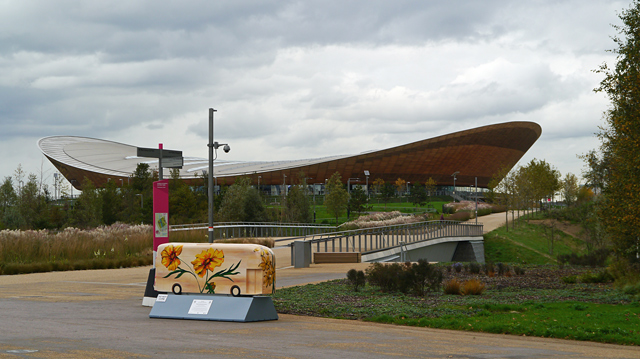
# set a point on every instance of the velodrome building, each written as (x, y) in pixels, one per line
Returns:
(479, 152)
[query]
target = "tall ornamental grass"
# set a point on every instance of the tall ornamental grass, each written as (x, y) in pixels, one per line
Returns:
(380, 219)
(117, 245)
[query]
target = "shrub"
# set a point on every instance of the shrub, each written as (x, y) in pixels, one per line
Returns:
(474, 268)
(489, 268)
(460, 216)
(418, 278)
(503, 268)
(594, 259)
(473, 287)
(453, 286)
(632, 289)
(457, 267)
(384, 276)
(572, 279)
(427, 277)
(356, 278)
(484, 212)
(602, 276)
(518, 270)
(498, 208)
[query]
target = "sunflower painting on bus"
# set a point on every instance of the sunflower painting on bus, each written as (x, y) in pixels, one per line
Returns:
(215, 268)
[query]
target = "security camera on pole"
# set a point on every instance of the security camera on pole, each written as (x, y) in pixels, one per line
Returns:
(213, 146)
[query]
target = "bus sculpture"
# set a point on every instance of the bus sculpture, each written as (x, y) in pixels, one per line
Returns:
(215, 268)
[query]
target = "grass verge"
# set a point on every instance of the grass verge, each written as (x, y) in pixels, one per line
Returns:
(554, 309)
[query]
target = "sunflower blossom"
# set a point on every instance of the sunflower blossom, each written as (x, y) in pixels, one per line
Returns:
(207, 260)
(170, 257)
(268, 269)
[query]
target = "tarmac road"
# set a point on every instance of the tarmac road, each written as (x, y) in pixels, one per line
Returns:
(98, 314)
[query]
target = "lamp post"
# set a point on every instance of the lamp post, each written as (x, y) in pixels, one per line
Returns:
(55, 186)
(141, 203)
(284, 184)
(366, 173)
(476, 200)
(213, 146)
(454, 183)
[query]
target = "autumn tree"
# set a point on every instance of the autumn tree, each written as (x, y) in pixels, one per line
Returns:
(400, 185)
(620, 140)
(377, 185)
(430, 186)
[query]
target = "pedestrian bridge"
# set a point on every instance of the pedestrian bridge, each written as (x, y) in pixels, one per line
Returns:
(435, 241)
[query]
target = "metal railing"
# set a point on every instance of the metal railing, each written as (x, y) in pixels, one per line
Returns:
(257, 229)
(379, 238)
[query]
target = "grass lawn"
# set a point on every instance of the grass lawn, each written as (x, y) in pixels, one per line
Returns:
(537, 303)
(528, 243)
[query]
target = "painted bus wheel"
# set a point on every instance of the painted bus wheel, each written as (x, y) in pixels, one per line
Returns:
(176, 289)
(235, 291)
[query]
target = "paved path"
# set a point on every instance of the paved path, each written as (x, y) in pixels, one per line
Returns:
(98, 314)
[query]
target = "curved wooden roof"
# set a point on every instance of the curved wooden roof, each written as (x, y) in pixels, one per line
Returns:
(478, 152)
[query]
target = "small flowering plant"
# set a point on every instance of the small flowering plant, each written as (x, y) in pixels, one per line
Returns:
(202, 266)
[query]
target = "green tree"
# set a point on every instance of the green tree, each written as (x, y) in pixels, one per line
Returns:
(87, 212)
(8, 197)
(111, 203)
(388, 191)
(297, 205)
(418, 195)
(337, 197)
(241, 203)
(620, 209)
(538, 180)
(358, 200)
(32, 205)
(570, 188)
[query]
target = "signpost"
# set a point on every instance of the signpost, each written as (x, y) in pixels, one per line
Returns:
(172, 159)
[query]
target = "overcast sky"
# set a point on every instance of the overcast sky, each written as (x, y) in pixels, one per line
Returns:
(300, 79)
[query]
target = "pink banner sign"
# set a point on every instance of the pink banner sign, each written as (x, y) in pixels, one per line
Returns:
(160, 214)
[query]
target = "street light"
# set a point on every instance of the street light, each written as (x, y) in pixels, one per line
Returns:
(476, 200)
(454, 183)
(213, 146)
(55, 186)
(141, 203)
(284, 184)
(366, 173)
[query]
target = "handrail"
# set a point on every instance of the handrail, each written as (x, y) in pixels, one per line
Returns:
(379, 238)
